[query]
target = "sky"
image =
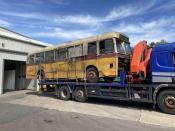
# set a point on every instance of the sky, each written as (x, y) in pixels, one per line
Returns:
(58, 21)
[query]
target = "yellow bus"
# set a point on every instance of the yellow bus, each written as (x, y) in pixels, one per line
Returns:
(88, 59)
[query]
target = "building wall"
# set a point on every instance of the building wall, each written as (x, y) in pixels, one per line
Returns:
(1, 75)
(15, 45)
(13, 49)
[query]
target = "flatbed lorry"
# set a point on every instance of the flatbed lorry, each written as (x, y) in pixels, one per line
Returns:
(151, 79)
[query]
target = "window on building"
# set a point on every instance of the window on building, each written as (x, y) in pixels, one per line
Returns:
(61, 53)
(49, 56)
(92, 48)
(106, 46)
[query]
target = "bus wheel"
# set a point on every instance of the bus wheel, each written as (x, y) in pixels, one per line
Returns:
(80, 94)
(92, 75)
(166, 101)
(64, 93)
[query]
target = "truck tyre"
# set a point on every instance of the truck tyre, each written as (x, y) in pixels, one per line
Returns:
(166, 101)
(92, 75)
(80, 94)
(57, 93)
(64, 93)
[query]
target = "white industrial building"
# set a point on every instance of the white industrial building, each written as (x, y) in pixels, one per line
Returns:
(14, 48)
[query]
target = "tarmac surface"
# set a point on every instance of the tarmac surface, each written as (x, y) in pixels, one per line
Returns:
(27, 111)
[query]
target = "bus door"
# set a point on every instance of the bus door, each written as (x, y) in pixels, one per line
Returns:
(71, 61)
(49, 64)
(39, 61)
(75, 62)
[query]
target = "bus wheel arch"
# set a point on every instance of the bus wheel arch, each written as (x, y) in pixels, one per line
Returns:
(80, 94)
(92, 74)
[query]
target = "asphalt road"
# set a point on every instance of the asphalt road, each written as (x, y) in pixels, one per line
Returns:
(14, 117)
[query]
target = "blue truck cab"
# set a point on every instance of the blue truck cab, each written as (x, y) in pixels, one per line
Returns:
(162, 63)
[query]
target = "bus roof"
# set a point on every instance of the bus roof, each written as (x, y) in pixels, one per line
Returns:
(85, 40)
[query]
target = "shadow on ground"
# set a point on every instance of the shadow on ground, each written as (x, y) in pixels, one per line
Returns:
(108, 102)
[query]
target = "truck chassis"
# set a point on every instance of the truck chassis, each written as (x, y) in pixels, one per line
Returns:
(159, 94)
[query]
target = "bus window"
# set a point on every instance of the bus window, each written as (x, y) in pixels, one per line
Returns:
(31, 59)
(61, 53)
(75, 51)
(128, 48)
(78, 51)
(92, 48)
(71, 52)
(120, 48)
(39, 58)
(106, 46)
(49, 56)
(42, 57)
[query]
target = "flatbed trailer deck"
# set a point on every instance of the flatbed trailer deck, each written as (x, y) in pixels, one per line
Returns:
(118, 91)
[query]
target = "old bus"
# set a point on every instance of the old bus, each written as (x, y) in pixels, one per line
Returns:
(89, 59)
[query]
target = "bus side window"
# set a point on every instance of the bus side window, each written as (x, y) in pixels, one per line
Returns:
(49, 56)
(37, 58)
(75, 51)
(31, 59)
(106, 46)
(42, 57)
(92, 48)
(78, 50)
(71, 52)
(61, 53)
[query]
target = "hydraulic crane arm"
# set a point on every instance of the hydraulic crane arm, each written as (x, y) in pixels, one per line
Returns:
(140, 61)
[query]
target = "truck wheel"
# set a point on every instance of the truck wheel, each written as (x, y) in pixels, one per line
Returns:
(166, 101)
(64, 93)
(57, 93)
(92, 75)
(80, 94)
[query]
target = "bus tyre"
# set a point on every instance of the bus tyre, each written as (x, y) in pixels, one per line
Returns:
(80, 94)
(64, 93)
(92, 75)
(166, 101)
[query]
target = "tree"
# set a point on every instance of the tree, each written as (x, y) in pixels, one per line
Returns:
(153, 44)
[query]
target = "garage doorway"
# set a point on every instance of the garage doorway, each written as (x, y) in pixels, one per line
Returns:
(14, 75)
